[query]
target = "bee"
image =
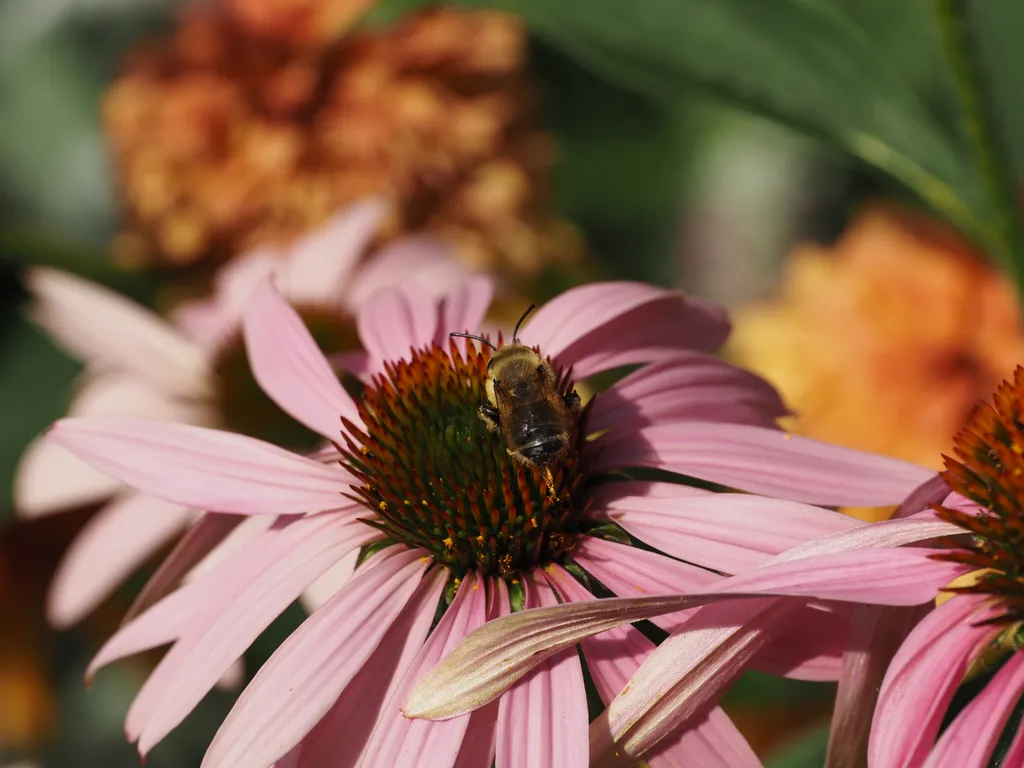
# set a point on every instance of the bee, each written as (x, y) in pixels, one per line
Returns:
(524, 403)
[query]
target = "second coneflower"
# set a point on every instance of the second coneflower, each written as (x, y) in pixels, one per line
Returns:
(452, 527)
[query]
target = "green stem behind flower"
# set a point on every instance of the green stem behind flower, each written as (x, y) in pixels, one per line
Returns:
(992, 160)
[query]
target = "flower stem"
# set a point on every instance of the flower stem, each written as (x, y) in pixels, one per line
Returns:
(993, 162)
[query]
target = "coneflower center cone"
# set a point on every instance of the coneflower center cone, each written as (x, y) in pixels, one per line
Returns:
(989, 469)
(436, 478)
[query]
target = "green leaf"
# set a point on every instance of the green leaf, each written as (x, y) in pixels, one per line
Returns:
(808, 751)
(800, 62)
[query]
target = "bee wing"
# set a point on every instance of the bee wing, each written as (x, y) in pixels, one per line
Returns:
(504, 402)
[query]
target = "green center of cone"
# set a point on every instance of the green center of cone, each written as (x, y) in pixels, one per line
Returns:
(436, 478)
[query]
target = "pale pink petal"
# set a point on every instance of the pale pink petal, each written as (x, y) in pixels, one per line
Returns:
(207, 323)
(204, 468)
(683, 677)
(542, 720)
(604, 325)
(398, 740)
(358, 363)
(324, 588)
(922, 679)
(233, 676)
(50, 478)
(289, 366)
(116, 541)
(419, 260)
(109, 332)
(614, 657)
(340, 736)
(307, 673)
(394, 321)
(200, 540)
(810, 645)
(765, 461)
(970, 739)
(234, 541)
(316, 268)
(629, 571)
(887, 533)
(876, 632)
(258, 586)
(689, 385)
(464, 307)
(729, 532)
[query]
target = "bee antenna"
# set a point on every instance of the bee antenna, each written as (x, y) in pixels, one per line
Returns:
(478, 338)
(515, 333)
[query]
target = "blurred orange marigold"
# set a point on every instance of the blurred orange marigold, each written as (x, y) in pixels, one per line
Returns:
(885, 341)
(241, 130)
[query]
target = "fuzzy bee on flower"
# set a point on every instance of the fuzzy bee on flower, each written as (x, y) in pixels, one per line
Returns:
(526, 403)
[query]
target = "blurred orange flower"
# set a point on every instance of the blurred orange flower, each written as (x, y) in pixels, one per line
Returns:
(242, 130)
(886, 340)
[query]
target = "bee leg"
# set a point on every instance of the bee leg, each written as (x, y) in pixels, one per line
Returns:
(549, 478)
(489, 415)
(572, 401)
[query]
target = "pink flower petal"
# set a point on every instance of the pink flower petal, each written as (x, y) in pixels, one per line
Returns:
(683, 677)
(398, 740)
(394, 321)
(464, 307)
(931, 491)
(688, 385)
(317, 267)
(200, 540)
(307, 673)
(289, 366)
(419, 260)
(341, 735)
(728, 532)
(110, 394)
(204, 468)
(765, 461)
(970, 739)
(109, 332)
(809, 646)
(542, 720)
(604, 325)
(328, 585)
(117, 540)
(875, 634)
(628, 571)
(922, 679)
(709, 742)
(258, 584)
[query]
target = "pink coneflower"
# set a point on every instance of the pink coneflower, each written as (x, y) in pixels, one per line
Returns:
(450, 526)
(190, 370)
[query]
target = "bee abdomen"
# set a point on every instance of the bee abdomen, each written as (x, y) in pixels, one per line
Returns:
(543, 445)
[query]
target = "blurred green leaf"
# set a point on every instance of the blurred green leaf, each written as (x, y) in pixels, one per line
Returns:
(1001, 28)
(808, 751)
(800, 62)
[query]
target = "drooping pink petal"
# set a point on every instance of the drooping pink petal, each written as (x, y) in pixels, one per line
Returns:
(729, 532)
(604, 325)
(542, 720)
(328, 585)
(109, 332)
(289, 366)
(765, 461)
(876, 632)
(612, 659)
(306, 674)
(420, 260)
(970, 739)
(922, 678)
(688, 385)
(683, 678)
(263, 581)
(922, 527)
(395, 320)
(810, 645)
(317, 266)
(204, 468)
(340, 736)
(931, 491)
(195, 545)
(629, 571)
(50, 478)
(397, 740)
(116, 541)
